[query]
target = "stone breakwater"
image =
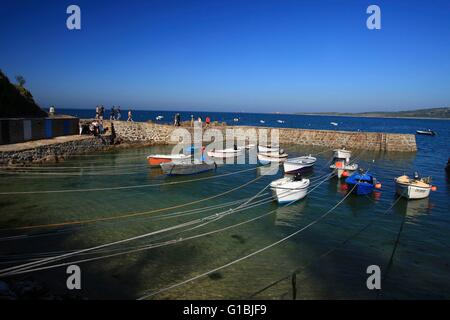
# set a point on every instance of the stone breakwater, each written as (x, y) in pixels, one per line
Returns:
(50, 150)
(151, 133)
(130, 134)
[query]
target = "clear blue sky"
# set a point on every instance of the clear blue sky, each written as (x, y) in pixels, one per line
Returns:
(227, 55)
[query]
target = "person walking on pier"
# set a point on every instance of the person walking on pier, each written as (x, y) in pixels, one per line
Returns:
(102, 112)
(112, 116)
(130, 116)
(177, 120)
(119, 115)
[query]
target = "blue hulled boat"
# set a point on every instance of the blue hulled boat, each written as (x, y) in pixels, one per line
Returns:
(361, 183)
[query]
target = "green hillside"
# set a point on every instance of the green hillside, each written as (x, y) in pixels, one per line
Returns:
(16, 101)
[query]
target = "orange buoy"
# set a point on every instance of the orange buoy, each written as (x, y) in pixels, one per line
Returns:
(345, 174)
(378, 185)
(433, 188)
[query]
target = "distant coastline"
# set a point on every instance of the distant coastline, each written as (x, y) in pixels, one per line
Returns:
(432, 113)
(355, 115)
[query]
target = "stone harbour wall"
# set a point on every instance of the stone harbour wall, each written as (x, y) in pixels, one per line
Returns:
(130, 134)
(160, 134)
(51, 150)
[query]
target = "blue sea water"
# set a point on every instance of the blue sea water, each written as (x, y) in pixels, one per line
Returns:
(331, 256)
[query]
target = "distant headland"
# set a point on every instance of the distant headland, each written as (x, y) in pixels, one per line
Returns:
(431, 113)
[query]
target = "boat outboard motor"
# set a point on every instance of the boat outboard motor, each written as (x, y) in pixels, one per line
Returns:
(416, 175)
(298, 176)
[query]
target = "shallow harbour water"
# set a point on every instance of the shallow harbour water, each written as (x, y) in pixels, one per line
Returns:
(360, 232)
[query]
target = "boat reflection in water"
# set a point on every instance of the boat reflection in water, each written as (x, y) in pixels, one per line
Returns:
(290, 216)
(414, 208)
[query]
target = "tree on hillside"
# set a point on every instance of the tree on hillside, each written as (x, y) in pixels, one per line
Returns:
(20, 80)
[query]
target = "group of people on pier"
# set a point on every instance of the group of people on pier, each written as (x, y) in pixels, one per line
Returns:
(115, 113)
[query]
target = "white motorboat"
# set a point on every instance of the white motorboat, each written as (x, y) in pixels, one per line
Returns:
(226, 153)
(413, 188)
(334, 123)
(262, 121)
(159, 117)
(342, 154)
(344, 169)
(299, 164)
(342, 164)
(267, 157)
(268, 148)
(289, 189)
(280, 121)
(428, 132)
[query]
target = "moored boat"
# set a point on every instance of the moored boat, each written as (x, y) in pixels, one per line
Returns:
(289, 189)
(341, 164)
(186, 168)
(299, 164)
(155, 160)
(267, 157)
(428, 132)
(226, 153)
(342, 154)
(249, 146)
(344, 170)
(362, 183)
(269, 148)
(413, 188)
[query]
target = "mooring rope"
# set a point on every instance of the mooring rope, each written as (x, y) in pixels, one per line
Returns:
(157, 217)
(251, 254)
(185, 224)
(394, 249)
(127, 187)
(326, 253)
(133, 214)
(146, 247)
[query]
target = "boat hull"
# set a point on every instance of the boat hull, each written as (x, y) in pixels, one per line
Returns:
(342, 154)
(427, 133)
(412, 192)
(268, 149)
(350, 169)
(287, 196)
(361, 189)
(286, 190)
(298, 165)
(171, 169)
(291, 169)
(227, 153)
(264, 159)
(156, 160)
